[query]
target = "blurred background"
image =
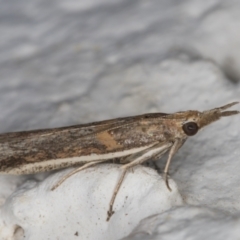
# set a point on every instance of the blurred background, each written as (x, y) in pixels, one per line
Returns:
(66, 62)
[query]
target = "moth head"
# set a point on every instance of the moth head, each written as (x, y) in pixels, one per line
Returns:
(195, 120)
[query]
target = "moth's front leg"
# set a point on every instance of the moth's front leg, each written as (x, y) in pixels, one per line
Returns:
(133, 160)
(174, 148)
(86, 165)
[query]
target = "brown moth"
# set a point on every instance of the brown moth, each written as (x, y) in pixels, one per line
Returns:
(131, 140)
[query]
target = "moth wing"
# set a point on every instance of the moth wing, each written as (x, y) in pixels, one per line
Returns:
(82, 130)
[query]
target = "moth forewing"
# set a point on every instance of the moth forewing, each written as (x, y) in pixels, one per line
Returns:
(43, 150)
(59, 163)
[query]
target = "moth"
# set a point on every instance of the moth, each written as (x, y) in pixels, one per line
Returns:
(130, 140)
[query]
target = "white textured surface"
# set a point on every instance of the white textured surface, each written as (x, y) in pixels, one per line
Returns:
(78, 208)
(188, 223)
(69, 62)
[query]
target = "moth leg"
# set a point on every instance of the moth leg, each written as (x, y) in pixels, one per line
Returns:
(87, 165)
(116, 189)
(154, 159)
(139, 158)
(135, 159)
(176, 145)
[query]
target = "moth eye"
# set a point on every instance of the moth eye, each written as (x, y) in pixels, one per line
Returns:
(190, 128)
